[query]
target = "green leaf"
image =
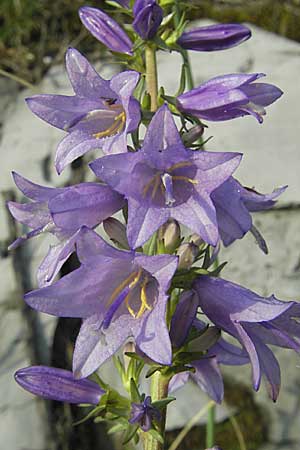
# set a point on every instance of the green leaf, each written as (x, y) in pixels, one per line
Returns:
(152, 370)
(130, 433)
(217, 271)
(160, 404)
(156, 435)
(116, 428)
(91, 414)
(135, 395)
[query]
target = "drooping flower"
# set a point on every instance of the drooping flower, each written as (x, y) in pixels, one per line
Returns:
(58, 384)
(105, 29)
(229, 96)
(233, 203)
(164, 179)
(255, 322)
(119, 294)
(99, 115)
(214, 37)
(61, 212)
(148, 16)
(144, 413)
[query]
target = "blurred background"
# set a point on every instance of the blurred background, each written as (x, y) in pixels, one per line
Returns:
(34, 35)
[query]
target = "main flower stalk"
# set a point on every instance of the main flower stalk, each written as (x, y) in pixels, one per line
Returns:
(151, 75)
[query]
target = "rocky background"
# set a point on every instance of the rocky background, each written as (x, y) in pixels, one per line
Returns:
(271, 159)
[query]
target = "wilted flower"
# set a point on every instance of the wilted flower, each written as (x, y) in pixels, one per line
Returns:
(147, 18)
(58, 384)
(116, 231)
(254, 321)
(144, 413)
(119, 295)
(99, 115)
(62, 212)
(214, 37)
(166, 180)
(229, 96)
(105, 29)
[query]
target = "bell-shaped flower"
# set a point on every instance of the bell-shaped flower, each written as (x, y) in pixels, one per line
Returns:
(206, 374)
(233, 203)
(99, 115)
(164, 180)
(229, 96)
(58, 384)
(148, 16)
(105, 29)
(120, 295)
(143, 414)
(62, 212)
(214, 37)
(255, 322)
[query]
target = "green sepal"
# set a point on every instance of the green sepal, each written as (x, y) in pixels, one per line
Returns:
(91, 414)
(95, 377)
(152, 370)
(120, 8)
(130, 433)
(135, 395)
(188, 357)
(156, 435)
(134, 355)
(119, 366)
(118, 427)
(161, 404)
(217, 271)
(146, 101)
(161, 44)
(182, 82)
(115, 403)
(174, 370)
(170, 99)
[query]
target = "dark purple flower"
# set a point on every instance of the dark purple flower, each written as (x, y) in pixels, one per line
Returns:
(233, 203)
(229, 96)
(120, 295)
(148, 16)
(62, 212)
(143, 414)
(58, 384)
(255, 322)
(105, 29)
(166, 180)
(99, 115)
(214, 37)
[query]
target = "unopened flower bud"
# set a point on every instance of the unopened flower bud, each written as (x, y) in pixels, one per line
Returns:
(196, 239)
(169, 233)
(193, 134)
(116, 231)
(147, 18)
(58, 384)
(187, 253)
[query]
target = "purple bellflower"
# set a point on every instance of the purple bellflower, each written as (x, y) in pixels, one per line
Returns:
(148, 16)
(214, 37)
(143, 414)
(207, 374)
(119, 294)
(255, 322)
(164, 179)
(233, 203)
(62, 212)
(105, 29)
(229, 96)
(58, 384)
(99, 115)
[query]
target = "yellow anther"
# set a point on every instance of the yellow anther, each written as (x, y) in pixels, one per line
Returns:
(130, 279)
(116, 127)
(188, 180)
(149, 184)
(144, 303)
(180, 165)
(130, 310)
(136, 279)
(157, 183)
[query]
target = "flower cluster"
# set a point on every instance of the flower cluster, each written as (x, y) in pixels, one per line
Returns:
(149, 284)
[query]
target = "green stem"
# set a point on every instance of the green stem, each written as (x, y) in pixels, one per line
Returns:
(151, 75)
(210, 427)
(159, 390)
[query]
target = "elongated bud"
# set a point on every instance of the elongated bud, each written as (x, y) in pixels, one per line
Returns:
(214, 37)
(183, 317)
(196, 239)
(187, 253)
(58, 384)
(169, 233)
(105, 29)
(116, 231)
(147, 18)
(193, 134)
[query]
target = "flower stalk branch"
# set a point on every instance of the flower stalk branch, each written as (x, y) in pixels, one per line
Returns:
(151, 75)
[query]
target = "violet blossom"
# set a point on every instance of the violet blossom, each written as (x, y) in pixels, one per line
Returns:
(164, 179)
(58, 384)
(61, 212)
(105, 29)
(143, 414)
(229, 96)
(120, 295)
(255, 322)
(99, 115)
(148, 16)
(214, 37)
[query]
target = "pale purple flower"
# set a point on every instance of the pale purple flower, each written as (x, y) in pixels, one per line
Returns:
(214, 37)
(255, 322)
(99, 115)
(164, 179)
(105, 29)
(148, 16)
(61, 212)
(58, 384)
(233, 203)
(143, 414)
(229, 96)
(120, 295)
